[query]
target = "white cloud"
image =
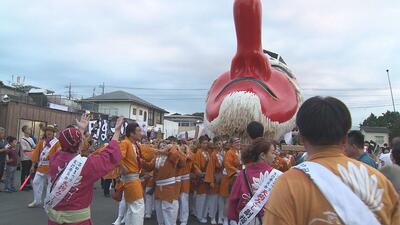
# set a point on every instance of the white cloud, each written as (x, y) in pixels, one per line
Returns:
(187, 44)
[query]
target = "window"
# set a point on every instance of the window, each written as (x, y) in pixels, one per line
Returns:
(140, 112)
(134, 111)
(184, 124)
(158, 117)
(151, 119)
(380, 140)
(145, 116)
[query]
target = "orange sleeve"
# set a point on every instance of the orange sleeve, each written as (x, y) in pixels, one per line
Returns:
(211, 168)
(197, 163)
(182, 160)
(36, 152)
(229, 163)
(123, 146)
(173, 156)
(148, 153)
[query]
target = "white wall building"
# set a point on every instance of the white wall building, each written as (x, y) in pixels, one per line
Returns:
(380, 135)
(171, 128)
(121, 103)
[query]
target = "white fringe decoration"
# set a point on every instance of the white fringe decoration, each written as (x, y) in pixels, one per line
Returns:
(240, 108)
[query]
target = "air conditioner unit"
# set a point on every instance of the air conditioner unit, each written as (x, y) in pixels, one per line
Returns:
(5, 99)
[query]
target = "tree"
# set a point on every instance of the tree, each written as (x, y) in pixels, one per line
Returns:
(389, 119)
(199, 114)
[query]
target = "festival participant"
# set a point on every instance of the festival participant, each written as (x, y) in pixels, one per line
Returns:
(392, 172)
(73, 176)
(27, 146)
(201, 159)
(46, 147)
(147, 178)
(354, 148)
(330, 188)
(131, 161)
(166, 195)
(255, 130)
(184, 174)
(279, 162)
(213, 177)
(254, 184)
(11, 164)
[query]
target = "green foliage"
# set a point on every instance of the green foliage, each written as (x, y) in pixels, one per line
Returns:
(389, 119)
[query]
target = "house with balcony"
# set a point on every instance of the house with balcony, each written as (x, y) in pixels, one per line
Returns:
(121, 103)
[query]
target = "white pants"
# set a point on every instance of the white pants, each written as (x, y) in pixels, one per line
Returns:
(221, 209)
(40, 187)
(201, 212)
(192, 204)
(184, 208)
(149, 203)
(253, 222)
(211, 206)
(134, 212)
(122, 208)
(167, 212)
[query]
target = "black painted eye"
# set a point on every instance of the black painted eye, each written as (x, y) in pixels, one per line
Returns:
(265, 86)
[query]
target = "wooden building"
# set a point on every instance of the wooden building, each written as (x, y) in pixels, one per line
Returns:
(14, 115)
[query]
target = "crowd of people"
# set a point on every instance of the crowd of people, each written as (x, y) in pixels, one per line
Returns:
(220, 180)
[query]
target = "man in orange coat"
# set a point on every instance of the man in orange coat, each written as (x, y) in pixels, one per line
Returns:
(201, 159)
(184, 174)
(330, 188)
(40, 159)
(232, 165)
(166, 166)
(213, 178)
(131, 168)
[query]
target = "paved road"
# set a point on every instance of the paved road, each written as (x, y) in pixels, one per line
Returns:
(14, 210)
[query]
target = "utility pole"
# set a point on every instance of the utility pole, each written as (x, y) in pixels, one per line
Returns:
(102, 88)
(391, 91)
(94, 91)
(69, 91)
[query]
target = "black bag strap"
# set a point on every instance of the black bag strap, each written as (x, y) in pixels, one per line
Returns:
(246, 178)
(29, 143)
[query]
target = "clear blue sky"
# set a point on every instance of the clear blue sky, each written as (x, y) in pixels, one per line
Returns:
(342, 46)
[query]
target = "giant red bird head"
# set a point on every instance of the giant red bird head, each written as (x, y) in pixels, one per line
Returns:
(258, 87)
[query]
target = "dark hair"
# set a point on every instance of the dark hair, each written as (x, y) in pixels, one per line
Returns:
(203, 138)
(10, 139)
(252, 153)
(216, 139)
(323, 121)
(255, 129)
(24, 128)
(130, 128)
(172, 139)
(396, 150)
(356, 138)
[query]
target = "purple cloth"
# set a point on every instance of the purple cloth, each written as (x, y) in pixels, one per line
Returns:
(240, 193)
(96, 166)
(13, 157)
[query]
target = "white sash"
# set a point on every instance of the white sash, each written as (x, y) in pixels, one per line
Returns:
(43, 160)
(349, 207)
(69, 178)
(259, 199)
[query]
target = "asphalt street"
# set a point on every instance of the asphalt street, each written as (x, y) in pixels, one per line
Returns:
(14, 210)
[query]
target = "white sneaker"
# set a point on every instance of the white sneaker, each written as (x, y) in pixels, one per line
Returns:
(33, 205)
(220, 221)
(204, 220)
(118, 221)
(183, 223)
(213, 222)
